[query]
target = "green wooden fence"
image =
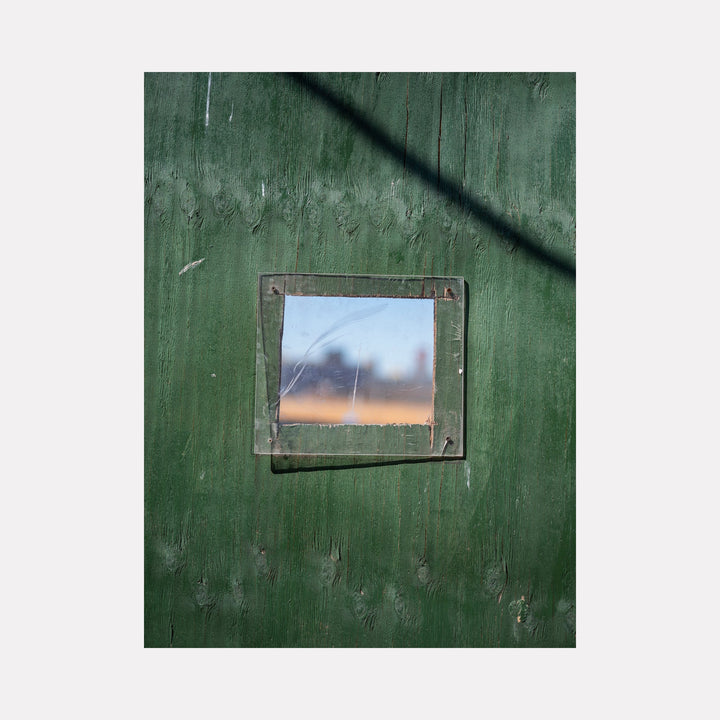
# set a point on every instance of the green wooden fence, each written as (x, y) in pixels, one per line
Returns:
(404, 174)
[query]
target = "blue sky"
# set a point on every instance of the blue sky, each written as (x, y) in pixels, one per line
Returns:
(388, 331)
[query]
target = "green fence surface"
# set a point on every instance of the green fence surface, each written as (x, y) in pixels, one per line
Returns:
(467, 175)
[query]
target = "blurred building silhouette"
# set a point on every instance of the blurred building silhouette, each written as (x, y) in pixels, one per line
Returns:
(334, 376)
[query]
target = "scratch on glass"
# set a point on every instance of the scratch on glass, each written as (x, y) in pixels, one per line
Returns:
(324, 339)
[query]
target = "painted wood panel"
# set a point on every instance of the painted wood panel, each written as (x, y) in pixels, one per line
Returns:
(404, 174)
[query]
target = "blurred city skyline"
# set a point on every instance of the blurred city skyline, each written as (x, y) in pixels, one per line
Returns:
(356, 360)
(392, 336)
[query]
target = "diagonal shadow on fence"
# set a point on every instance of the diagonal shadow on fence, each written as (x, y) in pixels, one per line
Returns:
(489, 217)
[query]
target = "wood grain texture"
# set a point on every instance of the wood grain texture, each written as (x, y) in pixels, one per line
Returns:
(241, 550)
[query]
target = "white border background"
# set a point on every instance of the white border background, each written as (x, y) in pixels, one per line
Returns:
(72, 379)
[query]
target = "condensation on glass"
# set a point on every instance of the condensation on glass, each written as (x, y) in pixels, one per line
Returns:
(360, 365)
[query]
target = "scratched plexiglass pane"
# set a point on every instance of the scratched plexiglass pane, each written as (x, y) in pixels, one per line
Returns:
(359, 365)
(357, 360)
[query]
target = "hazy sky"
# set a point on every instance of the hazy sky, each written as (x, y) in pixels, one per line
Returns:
(388, 331)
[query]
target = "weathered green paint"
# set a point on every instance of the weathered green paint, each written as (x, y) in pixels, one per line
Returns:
(241, 550)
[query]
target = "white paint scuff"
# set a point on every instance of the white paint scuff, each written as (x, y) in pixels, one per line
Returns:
(207, 104)
(191, 265)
